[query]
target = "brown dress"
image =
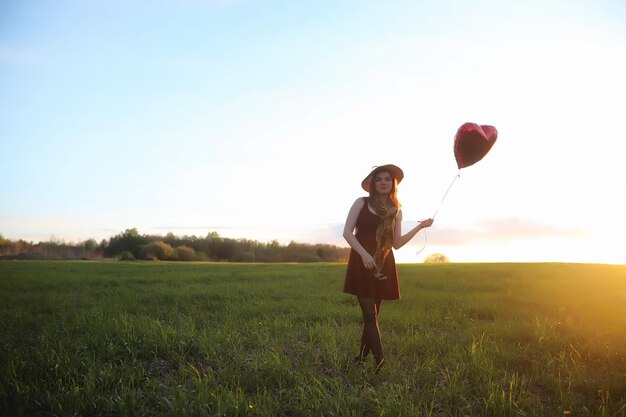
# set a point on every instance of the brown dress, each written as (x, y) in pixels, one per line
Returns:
(360, 280)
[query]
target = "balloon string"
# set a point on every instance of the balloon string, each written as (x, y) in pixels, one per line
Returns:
(437, 211)
(446, 194)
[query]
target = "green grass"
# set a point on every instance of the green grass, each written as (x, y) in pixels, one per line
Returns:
(134, 339)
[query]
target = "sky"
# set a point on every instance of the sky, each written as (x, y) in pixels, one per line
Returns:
(259, 119)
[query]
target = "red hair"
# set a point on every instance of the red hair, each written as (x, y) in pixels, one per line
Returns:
(385, 206)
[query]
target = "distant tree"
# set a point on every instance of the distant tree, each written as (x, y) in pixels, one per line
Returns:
(331, 253)
(90, 245)
(5, 245)
(272, 252)
(172, 240)
(224, 249)
(308, 257)
(213, 247)
(245, 257)
(201, 256)
(436, 258)
(129, 240)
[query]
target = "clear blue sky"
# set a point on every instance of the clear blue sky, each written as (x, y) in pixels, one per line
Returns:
(258, 119)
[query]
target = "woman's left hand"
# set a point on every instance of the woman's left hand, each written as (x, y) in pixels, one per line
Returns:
(427, 222)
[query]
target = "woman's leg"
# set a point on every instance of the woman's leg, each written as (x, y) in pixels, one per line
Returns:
(370, 339)
(365, 349)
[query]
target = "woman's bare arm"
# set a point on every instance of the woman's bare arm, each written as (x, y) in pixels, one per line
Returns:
(400, 240)
(348, 233)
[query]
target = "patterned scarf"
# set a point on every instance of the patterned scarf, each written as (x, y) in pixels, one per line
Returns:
(384, 233)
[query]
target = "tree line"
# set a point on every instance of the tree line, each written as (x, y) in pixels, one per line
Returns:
(132, 245)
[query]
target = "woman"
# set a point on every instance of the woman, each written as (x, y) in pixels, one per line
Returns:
(373, 227)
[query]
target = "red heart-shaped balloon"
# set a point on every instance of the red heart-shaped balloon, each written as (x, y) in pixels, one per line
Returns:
(472, 142)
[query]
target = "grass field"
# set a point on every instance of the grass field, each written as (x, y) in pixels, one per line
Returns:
(134, 339)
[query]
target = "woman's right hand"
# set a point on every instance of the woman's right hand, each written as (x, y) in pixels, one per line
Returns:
(368, 261)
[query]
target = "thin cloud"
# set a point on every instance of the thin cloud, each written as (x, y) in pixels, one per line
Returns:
(447, 236)
(513, 228)
(13, 56)
(500, 230)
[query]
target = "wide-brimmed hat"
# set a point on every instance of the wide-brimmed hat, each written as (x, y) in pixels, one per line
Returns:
(395, 172)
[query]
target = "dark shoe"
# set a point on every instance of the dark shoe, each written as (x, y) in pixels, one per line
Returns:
(359, 360)
(380, 365)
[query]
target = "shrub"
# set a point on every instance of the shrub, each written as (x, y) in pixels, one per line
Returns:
(308, 258)
(158, 250)
(126, 256)
(185, 253)
(436, 258)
